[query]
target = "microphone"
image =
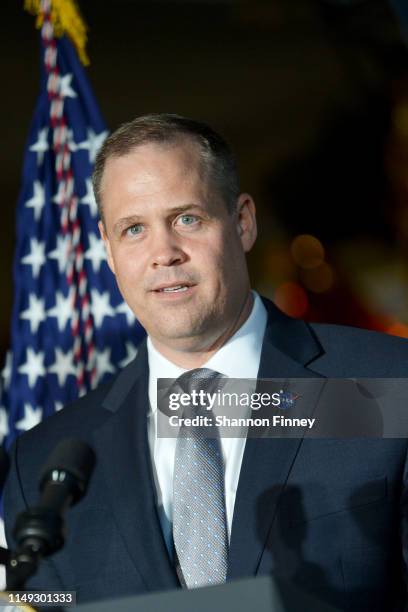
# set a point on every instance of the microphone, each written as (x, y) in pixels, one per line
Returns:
(39, 531)
(66, 474)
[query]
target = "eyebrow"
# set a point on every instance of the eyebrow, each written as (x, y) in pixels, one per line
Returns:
(134, 219)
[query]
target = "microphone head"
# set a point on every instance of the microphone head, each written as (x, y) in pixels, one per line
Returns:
(72, 457)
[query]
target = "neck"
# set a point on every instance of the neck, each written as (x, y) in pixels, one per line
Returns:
(191, 359)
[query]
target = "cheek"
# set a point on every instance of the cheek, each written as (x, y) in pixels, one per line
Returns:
(225, 256)
(210, 263)
(128, 271)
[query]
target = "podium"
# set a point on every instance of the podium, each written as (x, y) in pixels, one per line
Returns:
(263, 594)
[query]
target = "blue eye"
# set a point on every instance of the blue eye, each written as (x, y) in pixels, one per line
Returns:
(188, 219)
(134, 230)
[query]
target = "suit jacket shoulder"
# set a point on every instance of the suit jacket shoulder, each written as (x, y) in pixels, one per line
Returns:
(354, 352)
(81, 417)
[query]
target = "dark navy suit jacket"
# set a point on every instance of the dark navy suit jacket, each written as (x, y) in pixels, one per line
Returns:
(329, 514)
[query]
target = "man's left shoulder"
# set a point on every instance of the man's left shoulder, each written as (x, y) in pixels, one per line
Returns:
(365, 352)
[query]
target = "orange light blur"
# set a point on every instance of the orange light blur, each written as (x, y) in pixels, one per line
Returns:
(307, 251)
(398, 329)
(318, 279)
(292, 299)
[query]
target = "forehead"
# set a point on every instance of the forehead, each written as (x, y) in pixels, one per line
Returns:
(155, 166)
(155, 179)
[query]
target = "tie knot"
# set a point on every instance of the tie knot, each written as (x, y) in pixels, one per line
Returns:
(198, 379)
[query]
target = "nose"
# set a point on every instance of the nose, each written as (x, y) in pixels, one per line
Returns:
(167, 249)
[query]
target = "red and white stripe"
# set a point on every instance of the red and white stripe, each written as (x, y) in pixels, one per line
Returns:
(70, 225)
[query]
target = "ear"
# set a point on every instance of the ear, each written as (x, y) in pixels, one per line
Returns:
(246, 221)
(106, 241)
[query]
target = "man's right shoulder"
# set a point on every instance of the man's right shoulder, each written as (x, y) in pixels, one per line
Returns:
(83, 417)
(76, 420)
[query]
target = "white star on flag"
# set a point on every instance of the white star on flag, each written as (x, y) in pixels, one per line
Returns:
(41, 145)
(62, 252)
(123, 308)
(65, 88)
(4, 426)
(35, 312)
(100, 306)
(103, 364)
(32, 416)
(96, 252)
(6, 373)
(89, 198)
(38, 200)
(62, 309)
(93, 144)
(131, 352)
(63, 366)
(33, 367)
(65, 293)
(36, 257)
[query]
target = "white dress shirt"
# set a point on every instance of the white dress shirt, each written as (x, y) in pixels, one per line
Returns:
(238, 358)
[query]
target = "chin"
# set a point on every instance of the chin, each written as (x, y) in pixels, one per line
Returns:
(181, 335)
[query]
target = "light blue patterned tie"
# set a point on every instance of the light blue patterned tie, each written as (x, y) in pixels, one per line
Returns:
(199, 519)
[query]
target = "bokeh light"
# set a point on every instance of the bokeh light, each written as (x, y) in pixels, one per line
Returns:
(307, 251)
(398, 329)
(318, 279)
(292, 299)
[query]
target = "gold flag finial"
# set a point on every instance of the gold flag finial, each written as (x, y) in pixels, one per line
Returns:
(66, 19)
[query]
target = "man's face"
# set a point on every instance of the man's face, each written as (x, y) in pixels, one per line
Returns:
(178, 255)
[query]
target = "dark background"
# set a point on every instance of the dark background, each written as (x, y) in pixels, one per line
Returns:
(313, 97)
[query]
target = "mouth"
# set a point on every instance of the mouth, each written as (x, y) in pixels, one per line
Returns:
(174, 289)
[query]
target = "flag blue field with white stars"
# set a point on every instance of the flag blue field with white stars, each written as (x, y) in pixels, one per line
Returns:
(70, 329)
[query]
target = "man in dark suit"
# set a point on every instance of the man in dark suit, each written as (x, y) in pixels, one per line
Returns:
(327, 514)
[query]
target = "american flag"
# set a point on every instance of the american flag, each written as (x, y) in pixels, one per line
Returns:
(70, 327)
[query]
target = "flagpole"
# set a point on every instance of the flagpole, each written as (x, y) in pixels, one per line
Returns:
(65, 18)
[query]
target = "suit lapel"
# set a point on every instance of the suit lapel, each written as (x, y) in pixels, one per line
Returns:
(122, 448)
(288, 346)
